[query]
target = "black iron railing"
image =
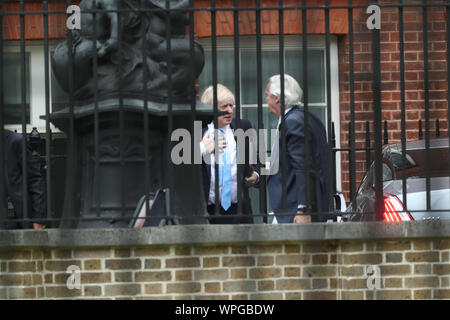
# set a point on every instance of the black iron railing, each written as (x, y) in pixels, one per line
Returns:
(373, 143)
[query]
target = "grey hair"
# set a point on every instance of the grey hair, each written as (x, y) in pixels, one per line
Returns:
(292, 92)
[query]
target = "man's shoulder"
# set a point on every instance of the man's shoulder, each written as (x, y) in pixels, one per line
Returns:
(294, 115)
(298, 113)
(12, 136)
(244, 123)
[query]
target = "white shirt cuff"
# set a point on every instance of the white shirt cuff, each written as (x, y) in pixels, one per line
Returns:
(202, 148)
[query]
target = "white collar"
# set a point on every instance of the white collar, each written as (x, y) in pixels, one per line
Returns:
(224, 129)
(285, 111)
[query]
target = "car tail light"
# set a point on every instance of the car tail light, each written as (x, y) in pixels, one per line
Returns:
(394, 211)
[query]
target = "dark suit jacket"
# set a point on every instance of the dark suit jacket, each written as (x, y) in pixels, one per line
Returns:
(248, 168)
(14, 180)
(296, 166)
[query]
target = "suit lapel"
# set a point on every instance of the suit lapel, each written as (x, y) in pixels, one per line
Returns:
(246, 166)
(275, 150)
(232, 126)
(286, 115)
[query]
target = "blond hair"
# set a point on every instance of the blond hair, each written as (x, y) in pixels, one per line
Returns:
(223, 95)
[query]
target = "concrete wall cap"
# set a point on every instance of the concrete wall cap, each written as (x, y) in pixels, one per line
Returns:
(222, 234)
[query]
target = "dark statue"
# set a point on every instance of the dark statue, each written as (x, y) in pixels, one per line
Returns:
(105, 172)
(141, 53)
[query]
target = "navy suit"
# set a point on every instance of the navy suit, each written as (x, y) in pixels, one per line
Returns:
(14, 181)
(296, 167)
(247, 170)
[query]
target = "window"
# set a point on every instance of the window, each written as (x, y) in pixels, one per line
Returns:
(293, 59)
(13, 88)
(35, 87)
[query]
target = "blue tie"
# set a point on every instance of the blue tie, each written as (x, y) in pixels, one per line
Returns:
(225, 176)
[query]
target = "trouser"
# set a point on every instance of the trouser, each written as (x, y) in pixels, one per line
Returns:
(225, 217)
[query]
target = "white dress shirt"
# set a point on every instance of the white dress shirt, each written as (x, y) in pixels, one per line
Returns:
(231, 144)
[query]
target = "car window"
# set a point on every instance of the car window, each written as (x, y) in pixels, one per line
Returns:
(416, 163)
(387, 173)
(367, 180)
(396, 158)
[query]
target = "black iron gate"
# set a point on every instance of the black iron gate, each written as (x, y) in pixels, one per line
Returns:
(371, 145)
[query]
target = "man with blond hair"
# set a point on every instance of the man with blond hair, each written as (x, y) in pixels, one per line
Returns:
(227, 161)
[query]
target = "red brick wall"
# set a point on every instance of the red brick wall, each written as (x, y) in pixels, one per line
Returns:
(390, 77)
(34, 24)
(269, 18)
(225, 26)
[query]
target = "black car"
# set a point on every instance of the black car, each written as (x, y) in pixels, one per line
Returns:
(415, 208)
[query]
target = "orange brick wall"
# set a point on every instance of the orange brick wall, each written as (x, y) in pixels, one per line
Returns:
(34, 24)
(225, 27)
(269, 18)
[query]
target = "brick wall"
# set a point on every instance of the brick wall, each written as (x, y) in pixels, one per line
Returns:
(34, 24)
(292, 18)
(390, 76)
(333, 269)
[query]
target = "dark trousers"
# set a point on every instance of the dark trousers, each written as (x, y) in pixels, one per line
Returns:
(225, 217)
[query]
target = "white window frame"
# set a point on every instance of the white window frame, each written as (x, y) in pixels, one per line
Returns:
(37, 83)
(295, 42)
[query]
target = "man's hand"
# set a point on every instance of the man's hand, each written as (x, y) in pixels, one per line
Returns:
(208, 142)
(252, 180)
(302, 218)
(38, 226)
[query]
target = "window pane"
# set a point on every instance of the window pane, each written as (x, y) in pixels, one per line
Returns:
(319, 112)
(13, 87)
(269, 120)
(293, 66)
(251, 113)
(316, 72)
(270, 65)
(225, 70)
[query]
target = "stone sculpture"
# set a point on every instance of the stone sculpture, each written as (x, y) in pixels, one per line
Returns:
(115, 60)
(132, 49)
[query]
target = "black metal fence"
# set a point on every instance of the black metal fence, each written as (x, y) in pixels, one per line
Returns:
(84, 197)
